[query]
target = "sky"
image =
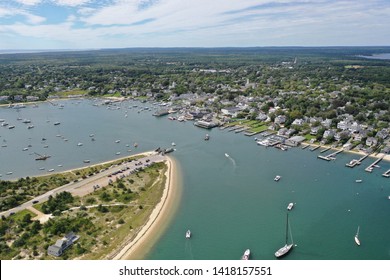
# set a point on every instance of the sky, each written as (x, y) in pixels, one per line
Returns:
(92, 24)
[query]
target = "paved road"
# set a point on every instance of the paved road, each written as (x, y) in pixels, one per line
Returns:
(128, 167)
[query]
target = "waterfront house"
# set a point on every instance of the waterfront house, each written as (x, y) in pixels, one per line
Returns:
(383, 133)
(314, 130)
(371, 141)
(62, 244)
(295, 141)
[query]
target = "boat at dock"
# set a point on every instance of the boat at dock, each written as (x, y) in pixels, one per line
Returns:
(357, 241)
(277, 178)
(290, 206)
(287, 247)
(246, 255)
(188, 234)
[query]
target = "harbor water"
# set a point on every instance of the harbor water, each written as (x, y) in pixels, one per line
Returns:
(230, 203)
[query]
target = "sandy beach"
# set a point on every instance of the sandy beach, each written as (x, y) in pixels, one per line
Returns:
(159, 218)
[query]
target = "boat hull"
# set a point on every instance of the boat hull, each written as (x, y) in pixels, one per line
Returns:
(284, 250)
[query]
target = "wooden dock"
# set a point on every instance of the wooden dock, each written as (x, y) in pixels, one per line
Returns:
(386, 174)
(355, 162)
(330, 156)
(370, 168)
(314, 148)
(305, 146)
(325, 150)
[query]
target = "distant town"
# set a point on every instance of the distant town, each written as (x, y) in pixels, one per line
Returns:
(325, 95)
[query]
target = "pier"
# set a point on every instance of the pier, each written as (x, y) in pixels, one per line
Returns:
(386, 174)
(315, 148)
(370, 168)
(325, 150)
(240, 130)
(355, 162)
(330, 156)
(251, 133)
(305, 146)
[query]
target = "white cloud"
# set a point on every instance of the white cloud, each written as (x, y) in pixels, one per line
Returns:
(71, 3)
(31, 18)
(29, 2)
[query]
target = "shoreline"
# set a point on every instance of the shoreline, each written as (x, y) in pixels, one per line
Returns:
(158, 220)
(386, 157)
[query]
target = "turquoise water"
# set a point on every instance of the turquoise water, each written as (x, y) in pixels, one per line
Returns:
(229, 203)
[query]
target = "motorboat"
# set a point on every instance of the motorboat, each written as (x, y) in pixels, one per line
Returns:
(246, 255)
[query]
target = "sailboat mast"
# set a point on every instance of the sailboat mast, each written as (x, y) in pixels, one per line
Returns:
(287, 229)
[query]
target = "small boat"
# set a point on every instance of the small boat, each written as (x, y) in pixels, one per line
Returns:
(42, 157)
(388, 197)
(287, 247)
(60, 165)
(290, 206)
(357, 241)
(188, 234)
(358, 181)
(173, 144)
(9, 173)
(57, 123)
(117, 141)
(41, 168)
(118, 153)
(25, 149)
(30, 126)
(11, 127)
(246, 255)
(135, 145)
(226, 155)
(91, 135)
(86, 161)
(207, 137)
(277, 178)
(79, 144)
(51, 170)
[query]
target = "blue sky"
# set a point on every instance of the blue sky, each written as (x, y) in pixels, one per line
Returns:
(80, 24)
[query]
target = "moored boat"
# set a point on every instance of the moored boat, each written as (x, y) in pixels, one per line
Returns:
(277, 178)
(357, 241)
(290, 206)
(246, 255)
(287, 247)
(188, 234)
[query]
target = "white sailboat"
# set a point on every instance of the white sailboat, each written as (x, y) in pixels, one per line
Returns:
(287, 247)
(357, 241)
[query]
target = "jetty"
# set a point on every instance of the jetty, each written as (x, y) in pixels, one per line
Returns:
(370, 168)
(355, 162)
(251, 133)
(305, 146)
(330, 156)
(386, 174)
(240, 130)
(314, 148)
(325, 150)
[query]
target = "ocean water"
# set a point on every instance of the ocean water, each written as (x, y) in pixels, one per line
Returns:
(229, 203)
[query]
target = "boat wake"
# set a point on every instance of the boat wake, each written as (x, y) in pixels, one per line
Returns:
(231, 159)
(188, 248)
